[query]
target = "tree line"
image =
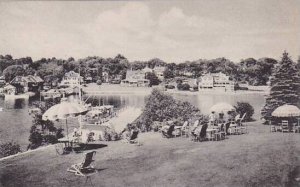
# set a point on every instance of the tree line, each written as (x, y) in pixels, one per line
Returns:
(251, 71)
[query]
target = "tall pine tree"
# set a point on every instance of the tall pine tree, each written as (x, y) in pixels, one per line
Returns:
(285, 86)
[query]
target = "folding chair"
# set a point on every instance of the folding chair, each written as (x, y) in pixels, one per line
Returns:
(84, 169)
(132, 139)
(285, 126)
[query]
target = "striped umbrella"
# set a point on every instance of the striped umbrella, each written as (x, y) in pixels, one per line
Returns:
(286, 111)
(222, 108)
(64, 110)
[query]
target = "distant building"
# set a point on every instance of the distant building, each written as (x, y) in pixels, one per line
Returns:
(2, 81)
(147, 70)
(9, 90)
(30, 83)
(135, 78)
(71, 79)
(159, 72)
(216, 81)
(105, 76)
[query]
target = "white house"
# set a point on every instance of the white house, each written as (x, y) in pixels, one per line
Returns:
(216, 81)
(71, 79)
(135, 78)
(159, 71)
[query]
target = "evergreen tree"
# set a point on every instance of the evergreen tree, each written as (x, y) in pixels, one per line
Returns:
(285, 86)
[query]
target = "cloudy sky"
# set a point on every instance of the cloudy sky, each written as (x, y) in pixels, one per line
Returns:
(140, 30)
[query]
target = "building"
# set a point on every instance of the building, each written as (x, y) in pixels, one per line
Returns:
(135, 78)
(2, 81)
(105, 76)
(9, 89)
(71, 79)
(30, 83)
(159, 72)
(216, 81)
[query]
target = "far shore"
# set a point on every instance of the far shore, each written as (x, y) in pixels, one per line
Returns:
(116, 89)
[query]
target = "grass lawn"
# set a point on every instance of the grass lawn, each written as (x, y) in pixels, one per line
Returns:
(259, 158)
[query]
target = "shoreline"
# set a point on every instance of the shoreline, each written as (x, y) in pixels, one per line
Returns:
(115, 89)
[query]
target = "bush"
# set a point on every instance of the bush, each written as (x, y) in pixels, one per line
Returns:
(99, 82)
(154, 80)
(170, 86)
(243, 107)
(9, 148)
(184, 86)
(160, 106)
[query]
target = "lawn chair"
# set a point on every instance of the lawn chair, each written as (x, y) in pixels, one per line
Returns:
(227, 125)
(84, 168)
(169, 132)
(221, 134)
(285, 126)
(184, 129)
(132, 139)
(202, 135)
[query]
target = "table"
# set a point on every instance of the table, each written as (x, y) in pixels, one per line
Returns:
(66, 144)
(210, 132)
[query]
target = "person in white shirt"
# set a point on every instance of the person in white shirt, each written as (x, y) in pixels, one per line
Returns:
(212, 118)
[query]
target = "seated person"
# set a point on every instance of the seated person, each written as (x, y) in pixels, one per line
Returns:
(132, 135)
(237, 119)
(212, 118)
(167, 130)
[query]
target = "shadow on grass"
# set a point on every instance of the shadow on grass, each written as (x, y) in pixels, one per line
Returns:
(87, 147)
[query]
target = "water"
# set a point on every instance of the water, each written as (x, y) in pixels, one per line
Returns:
(15, 122)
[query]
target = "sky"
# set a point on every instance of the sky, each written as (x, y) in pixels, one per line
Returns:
(173, 31)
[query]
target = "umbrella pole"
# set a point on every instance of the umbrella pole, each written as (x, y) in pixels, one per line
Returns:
(67, 129)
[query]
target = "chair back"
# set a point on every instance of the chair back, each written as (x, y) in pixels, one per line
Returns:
(243, 117)
(170, 130)
(88, 159)
(284, 123)
(227, 125)
(203, 131)
(134, 135)
(222, 127)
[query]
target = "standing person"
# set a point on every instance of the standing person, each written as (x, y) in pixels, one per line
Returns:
(212, 118)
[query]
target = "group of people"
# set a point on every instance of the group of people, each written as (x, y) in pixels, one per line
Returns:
(130, 133)
(198, 128)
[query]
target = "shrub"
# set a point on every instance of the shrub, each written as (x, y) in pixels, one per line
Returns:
(170, 86)
(243, 107)
(9, 148)
(184, 86)
(160, 106)
(99, 82)
(154, 80)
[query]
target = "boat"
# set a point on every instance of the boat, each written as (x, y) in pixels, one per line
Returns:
(51, 94)
(18, 96)
(99, 114)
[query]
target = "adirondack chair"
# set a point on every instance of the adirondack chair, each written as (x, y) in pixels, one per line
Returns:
(84, 168)
(285, 126)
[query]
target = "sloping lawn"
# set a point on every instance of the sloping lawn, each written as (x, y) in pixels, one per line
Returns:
(259, 158)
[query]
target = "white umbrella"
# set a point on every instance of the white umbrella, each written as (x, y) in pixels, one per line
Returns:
(286, 111)
(64, 110)
(222, 108)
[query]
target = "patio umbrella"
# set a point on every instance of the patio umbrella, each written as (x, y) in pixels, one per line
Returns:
(286, 111)
(222, 108)
(64, 110)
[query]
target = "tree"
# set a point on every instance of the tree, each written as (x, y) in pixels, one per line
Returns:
(160, 106)
(168, 73)
(12, 71)
(9, 148)
(285, 87)
(242, 108)
(154, 80)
